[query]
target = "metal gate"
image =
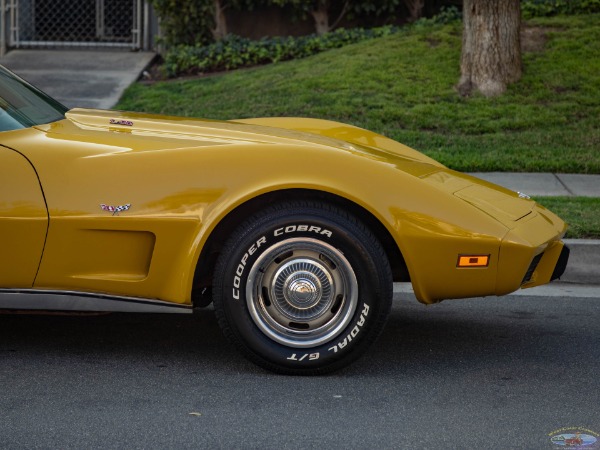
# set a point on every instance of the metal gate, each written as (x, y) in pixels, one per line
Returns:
(75, 23)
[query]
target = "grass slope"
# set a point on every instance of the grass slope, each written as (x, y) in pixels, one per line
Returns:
(581, 213)
(403, 86)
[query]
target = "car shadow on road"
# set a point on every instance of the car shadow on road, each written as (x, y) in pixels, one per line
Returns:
(415, 339)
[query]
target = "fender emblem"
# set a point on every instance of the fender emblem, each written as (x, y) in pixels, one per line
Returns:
(115, 210)
(128, 123)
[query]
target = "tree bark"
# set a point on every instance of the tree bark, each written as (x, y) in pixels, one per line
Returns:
(491, 50)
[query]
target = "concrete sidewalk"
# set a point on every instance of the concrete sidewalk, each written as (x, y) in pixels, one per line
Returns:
(546, 184)
(84, 78)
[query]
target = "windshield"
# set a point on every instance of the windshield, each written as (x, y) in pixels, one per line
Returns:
(22, 105)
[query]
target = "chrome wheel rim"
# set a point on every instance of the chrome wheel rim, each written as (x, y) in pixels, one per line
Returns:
(302, 292)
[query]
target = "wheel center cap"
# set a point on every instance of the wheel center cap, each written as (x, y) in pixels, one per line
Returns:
(302, 290)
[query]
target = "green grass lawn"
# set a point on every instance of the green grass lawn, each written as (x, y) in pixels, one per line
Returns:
(403, 86)
(581, 213)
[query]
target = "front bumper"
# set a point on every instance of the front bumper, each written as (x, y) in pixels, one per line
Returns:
(532, 253)
(561, 265)
(547, 266)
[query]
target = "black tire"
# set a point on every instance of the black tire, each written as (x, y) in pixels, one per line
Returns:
(302, 288)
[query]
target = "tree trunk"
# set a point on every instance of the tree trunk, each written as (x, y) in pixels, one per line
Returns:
(321, 16)
(491, 50)
(220, 30)
(415, 9)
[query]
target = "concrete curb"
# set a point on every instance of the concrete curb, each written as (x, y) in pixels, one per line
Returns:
(584, 262)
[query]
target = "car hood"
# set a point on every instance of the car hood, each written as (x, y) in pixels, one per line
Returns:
(281, 131)
(504, 205)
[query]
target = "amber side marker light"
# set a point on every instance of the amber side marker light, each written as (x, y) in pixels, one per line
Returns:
(473, 260)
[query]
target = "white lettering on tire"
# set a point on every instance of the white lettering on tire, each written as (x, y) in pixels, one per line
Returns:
(311, 357)
(305, 228)
(239, 271)
(354, 332)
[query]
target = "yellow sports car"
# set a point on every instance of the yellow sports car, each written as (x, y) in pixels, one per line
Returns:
(294, 228)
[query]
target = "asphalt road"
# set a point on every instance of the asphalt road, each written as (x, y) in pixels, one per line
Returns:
(495, 373)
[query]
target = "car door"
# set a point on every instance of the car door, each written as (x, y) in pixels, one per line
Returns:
(23, 220)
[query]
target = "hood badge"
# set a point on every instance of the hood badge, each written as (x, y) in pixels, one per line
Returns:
(127, 123)
(521, 195)
(115, 210)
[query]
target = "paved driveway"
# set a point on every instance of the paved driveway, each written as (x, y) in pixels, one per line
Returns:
(84, 78)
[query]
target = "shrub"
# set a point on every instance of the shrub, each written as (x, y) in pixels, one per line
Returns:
(544, 8)
(447, 14)
(184, 21)
(234, 51)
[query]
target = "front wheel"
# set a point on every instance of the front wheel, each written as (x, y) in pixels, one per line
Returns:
(302, 288)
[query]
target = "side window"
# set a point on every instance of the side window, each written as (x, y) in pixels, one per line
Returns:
(7, 122)
(22, 105)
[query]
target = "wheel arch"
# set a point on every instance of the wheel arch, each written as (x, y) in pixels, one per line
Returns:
(201, 288)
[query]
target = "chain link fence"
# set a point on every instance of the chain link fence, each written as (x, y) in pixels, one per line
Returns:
(75, 23)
